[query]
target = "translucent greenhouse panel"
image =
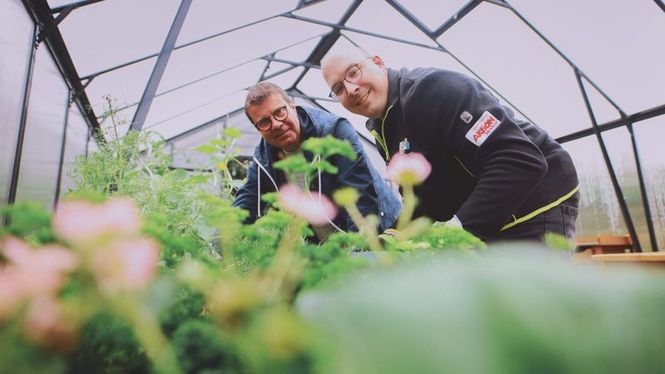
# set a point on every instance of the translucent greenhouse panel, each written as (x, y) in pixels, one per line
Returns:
(43, 135)
(379, 17)
(286, 80)
(183, 147)
(619, 44)
(620, 149)
(510, 57)
(118, 123)
(596, 187)
(109, 33)
(603, 110)
(327, 11)
(170, 127)
(201, 60)
(411, 56)
(189, 106)
(125, 86)
(433, 13)
(16, 31)
(314, 85)
(599, 209)
(649, 135)
(77, 134)
(210, 17)
(300, 51)
(274, 67)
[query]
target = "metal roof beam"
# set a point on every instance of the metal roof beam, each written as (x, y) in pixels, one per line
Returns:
(160, 66)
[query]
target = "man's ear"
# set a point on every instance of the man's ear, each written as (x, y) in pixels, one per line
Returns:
(378, 61)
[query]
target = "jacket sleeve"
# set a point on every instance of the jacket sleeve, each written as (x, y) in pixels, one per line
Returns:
(247, 198)
(507, 166)
(355, 174)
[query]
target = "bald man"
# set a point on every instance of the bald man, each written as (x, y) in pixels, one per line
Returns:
(495, 175)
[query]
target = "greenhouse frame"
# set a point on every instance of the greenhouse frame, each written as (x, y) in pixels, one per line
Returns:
(76, 49)
(127, 144)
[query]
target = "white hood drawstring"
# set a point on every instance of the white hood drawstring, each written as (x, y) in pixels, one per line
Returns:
(260, 167)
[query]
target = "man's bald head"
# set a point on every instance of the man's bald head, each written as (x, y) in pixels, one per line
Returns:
(357, 80)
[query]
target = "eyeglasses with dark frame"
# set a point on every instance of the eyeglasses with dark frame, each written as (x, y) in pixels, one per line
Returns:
(353, 75)
(279, 114)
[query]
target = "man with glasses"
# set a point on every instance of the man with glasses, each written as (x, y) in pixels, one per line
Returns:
(497, 176)
(283, 127)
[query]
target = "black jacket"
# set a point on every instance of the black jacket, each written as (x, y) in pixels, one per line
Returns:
(488, 168)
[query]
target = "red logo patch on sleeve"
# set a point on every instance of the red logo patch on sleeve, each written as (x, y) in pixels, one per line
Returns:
(483, 128)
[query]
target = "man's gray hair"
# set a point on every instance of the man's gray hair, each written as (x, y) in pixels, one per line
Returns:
(261, 91)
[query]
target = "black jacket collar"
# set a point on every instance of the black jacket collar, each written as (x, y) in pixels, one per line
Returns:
(394, 78)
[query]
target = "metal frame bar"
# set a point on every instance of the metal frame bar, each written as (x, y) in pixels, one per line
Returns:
(62, 149)
(116, 67)
(170, 90)
(438, 47)
(579, 75)
(16, 166)
(633, 118)
(160, 66)
(41, 15)
(73, 6)
(327, 42)
(615, 183)
(643, 191)
(466, 9)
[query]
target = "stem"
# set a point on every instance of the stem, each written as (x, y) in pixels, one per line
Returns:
(365, 228)
(410, 201)
(285, 257)
(148, 332)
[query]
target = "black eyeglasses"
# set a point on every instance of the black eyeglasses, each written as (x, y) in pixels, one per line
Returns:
(353, 75)
(279, 114)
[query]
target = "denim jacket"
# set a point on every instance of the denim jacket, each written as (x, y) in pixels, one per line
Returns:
(375, 195)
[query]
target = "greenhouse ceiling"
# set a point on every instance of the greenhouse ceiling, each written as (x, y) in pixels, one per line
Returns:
(590, 73)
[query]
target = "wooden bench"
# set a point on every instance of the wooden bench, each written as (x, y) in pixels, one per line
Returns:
(650, 260)
(603, 244)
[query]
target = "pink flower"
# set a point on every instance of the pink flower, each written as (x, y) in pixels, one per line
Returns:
(81, 222)
(37, 271)
(315, 209)
(47, 323)
(125, 265)
(10, 294)
(408, 169)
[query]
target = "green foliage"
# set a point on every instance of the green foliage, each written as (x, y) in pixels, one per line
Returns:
(19, 356)
(329, 146)
(188, 305)
(504, 311)
(333, 259)
(29, 221)
(559, 242)
(322, 149)
(200, 348)
(108, 345)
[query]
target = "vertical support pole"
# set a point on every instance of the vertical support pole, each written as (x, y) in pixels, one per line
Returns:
(62, 148)
(23, 121)
(643, 190)
(615, 183)
(160, 67)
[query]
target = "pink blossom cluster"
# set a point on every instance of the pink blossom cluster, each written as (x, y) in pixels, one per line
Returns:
(108, 244)
(110, 233)
(408, 168)
(315, 208)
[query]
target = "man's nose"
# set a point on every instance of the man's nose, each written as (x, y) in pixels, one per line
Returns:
(351, 88)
